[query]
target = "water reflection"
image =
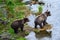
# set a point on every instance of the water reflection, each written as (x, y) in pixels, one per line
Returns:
(31, 36)
(42, 35)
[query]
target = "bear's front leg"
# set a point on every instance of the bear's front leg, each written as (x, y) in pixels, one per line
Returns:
(16, 30)
(44, 23)
(41, 25)
(35, 25)
(21, 27)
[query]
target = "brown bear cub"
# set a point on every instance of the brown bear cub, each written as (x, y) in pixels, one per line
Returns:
(41, 19)
(19, 24)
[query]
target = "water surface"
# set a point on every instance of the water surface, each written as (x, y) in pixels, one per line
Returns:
(54, 20)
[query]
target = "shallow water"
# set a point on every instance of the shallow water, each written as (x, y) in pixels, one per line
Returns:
(54, 20)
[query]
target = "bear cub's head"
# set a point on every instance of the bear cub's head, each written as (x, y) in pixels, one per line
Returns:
(26, 20)
(48, 13)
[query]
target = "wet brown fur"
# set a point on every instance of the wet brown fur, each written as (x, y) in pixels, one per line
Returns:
(41, 19)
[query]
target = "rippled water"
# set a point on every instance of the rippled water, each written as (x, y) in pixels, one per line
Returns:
(54, 20)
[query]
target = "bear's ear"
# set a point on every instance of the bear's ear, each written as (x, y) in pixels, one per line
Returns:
(48, 13)
(26, 19)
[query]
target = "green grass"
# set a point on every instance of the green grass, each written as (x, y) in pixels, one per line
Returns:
(21, 38)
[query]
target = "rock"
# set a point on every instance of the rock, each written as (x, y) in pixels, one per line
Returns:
(42, 3)
(5, 36)
(13, 39)
(3, 22)
(5, 39)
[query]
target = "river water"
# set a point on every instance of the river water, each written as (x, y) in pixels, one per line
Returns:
(54, 20)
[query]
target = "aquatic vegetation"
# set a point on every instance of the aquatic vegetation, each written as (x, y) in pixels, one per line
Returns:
(40, 9)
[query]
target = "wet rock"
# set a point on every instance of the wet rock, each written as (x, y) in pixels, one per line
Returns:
(42, 3)
(26, 1)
